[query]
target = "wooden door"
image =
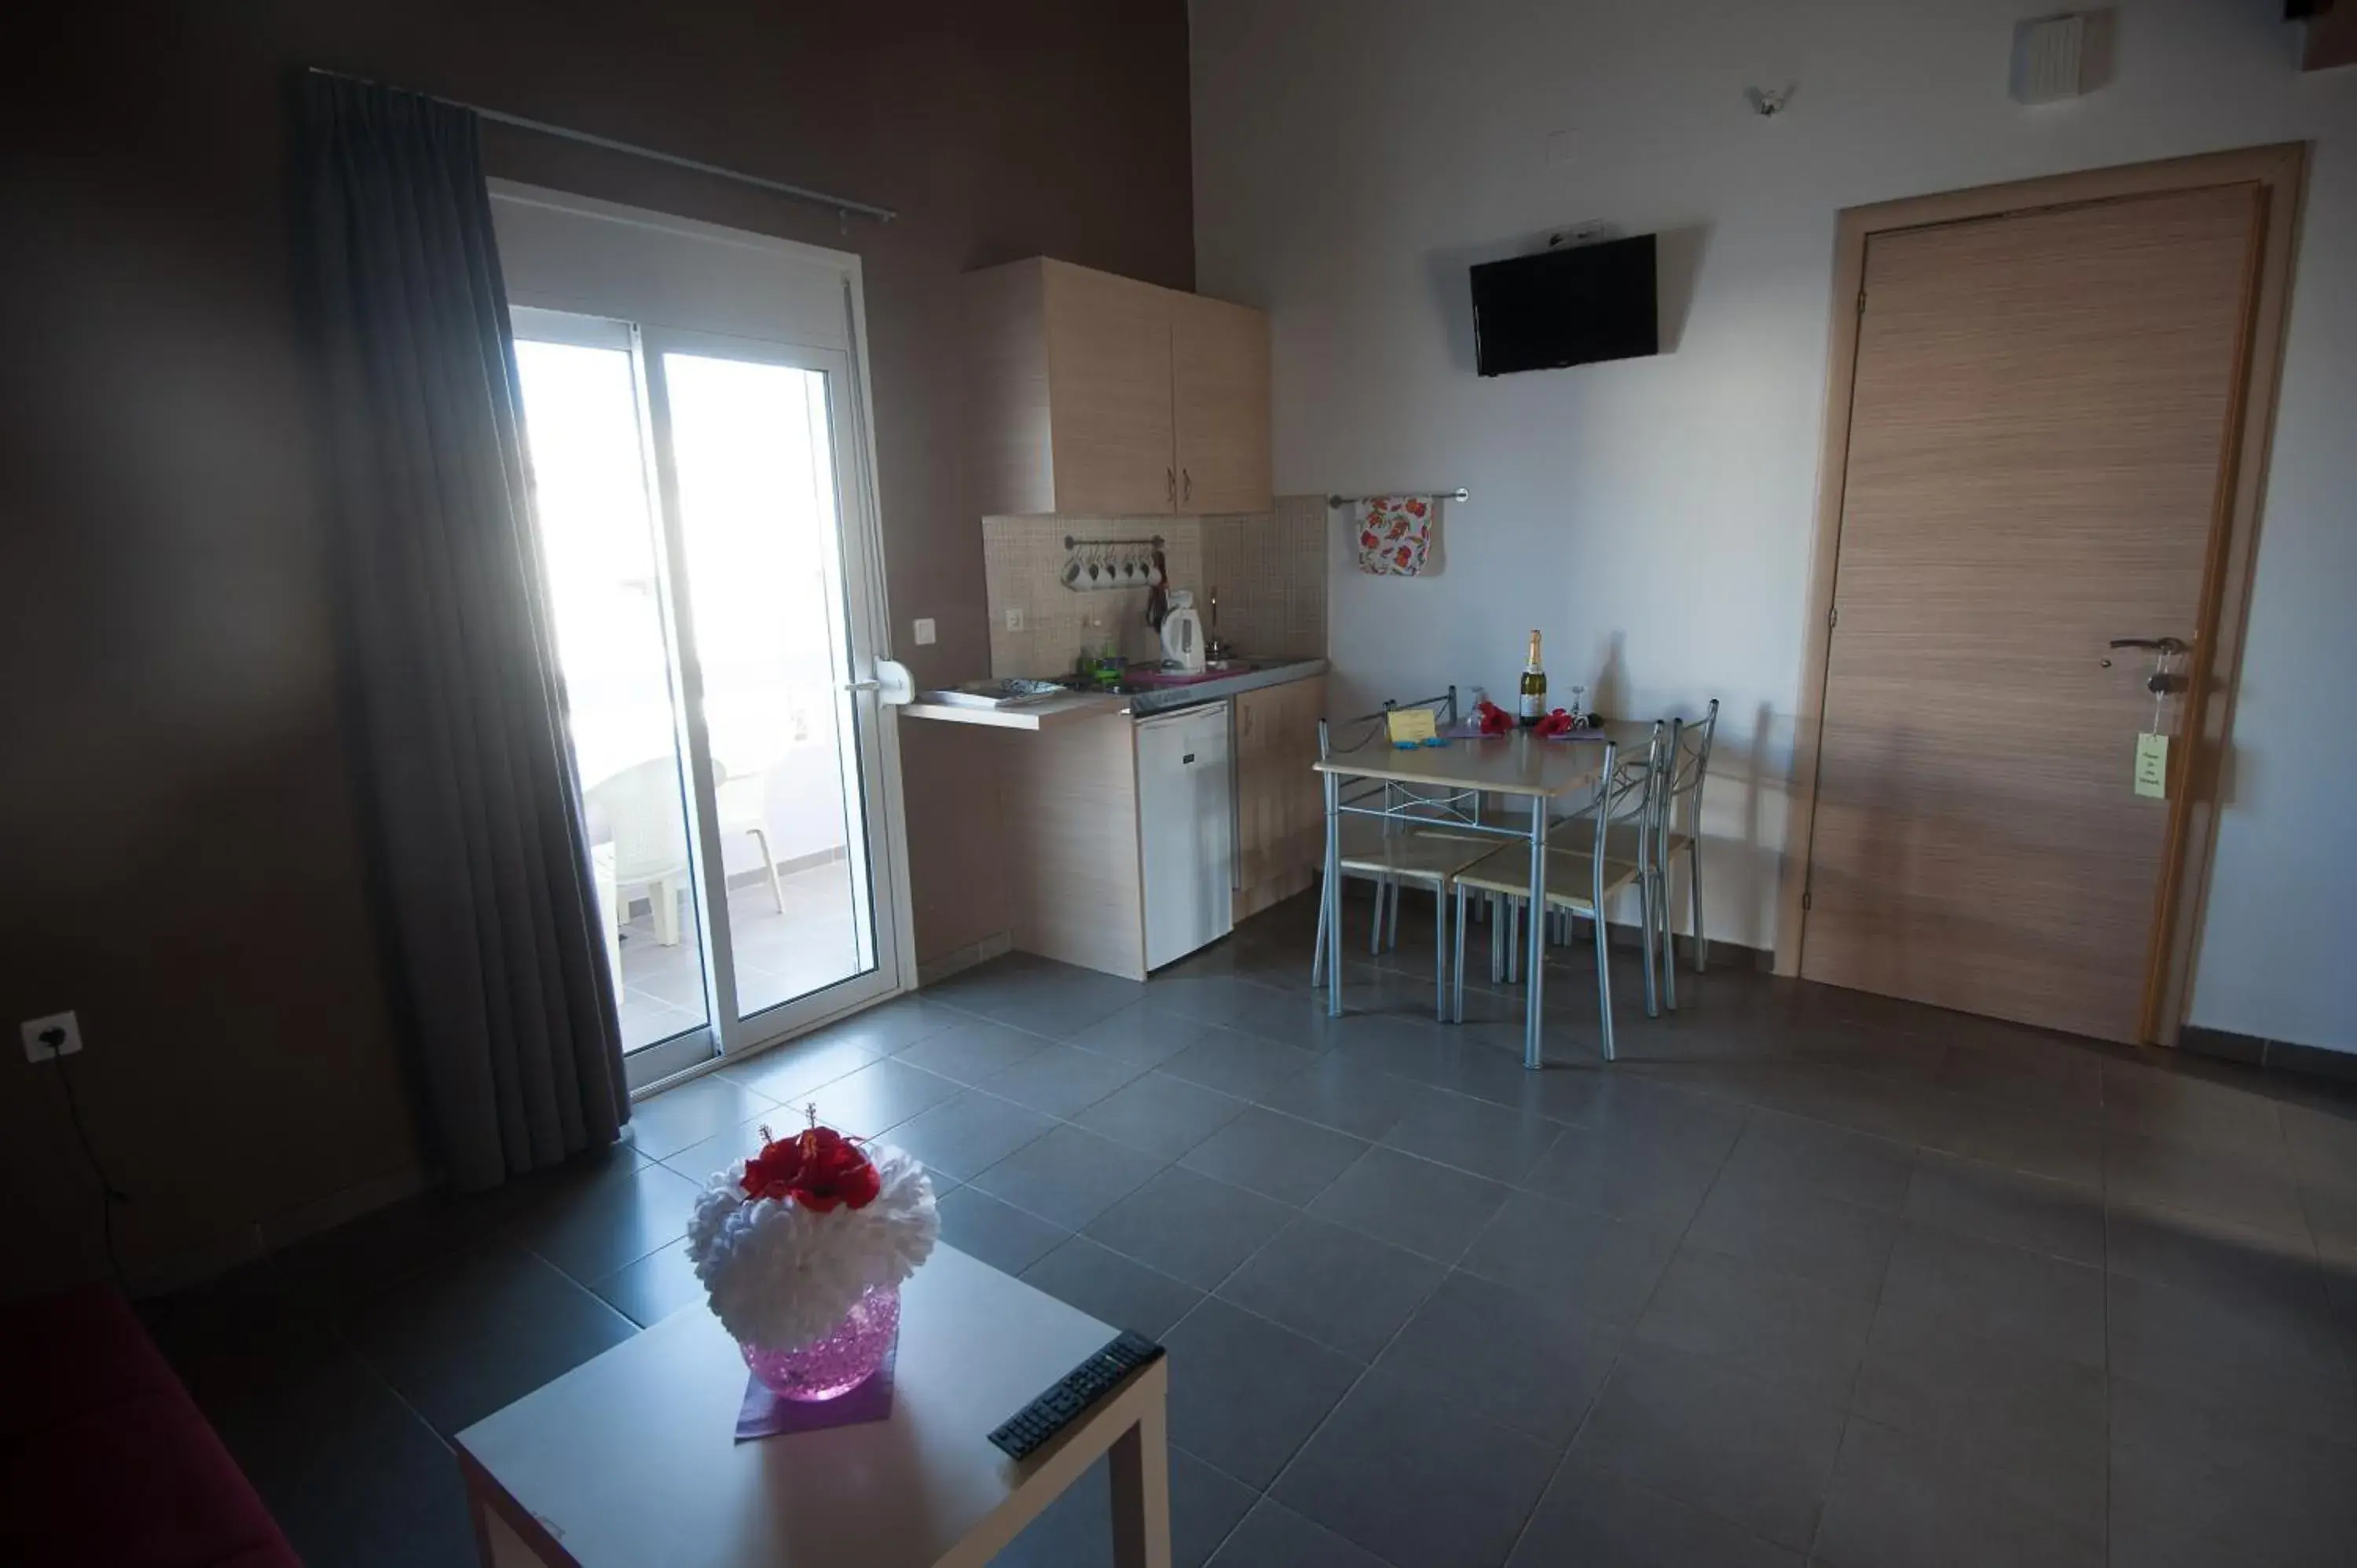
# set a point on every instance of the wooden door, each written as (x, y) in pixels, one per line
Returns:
(1220, 394)
(2042, 407)
(1109, 392)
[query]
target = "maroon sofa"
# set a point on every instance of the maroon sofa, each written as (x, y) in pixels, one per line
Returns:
(103, 1456)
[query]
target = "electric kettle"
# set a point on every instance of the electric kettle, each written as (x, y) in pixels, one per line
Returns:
(1182, 634)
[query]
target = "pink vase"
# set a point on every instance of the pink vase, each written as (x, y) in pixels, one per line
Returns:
(839, 1362)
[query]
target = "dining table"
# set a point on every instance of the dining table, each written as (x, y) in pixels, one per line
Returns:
(1519, 766)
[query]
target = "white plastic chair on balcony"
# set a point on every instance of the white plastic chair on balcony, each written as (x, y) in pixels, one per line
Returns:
(745, 809)
(644, 813)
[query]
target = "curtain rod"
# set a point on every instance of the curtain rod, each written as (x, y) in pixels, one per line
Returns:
(843, 205)
(1455, 495)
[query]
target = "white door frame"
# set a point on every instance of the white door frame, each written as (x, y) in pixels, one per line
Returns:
(740, 294)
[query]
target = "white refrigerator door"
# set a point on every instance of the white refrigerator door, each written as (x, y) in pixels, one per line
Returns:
(1186, 831)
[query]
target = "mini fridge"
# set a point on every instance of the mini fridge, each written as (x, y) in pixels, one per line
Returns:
(1186, 831)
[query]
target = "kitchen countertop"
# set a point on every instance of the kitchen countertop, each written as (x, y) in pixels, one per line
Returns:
(1139, 704)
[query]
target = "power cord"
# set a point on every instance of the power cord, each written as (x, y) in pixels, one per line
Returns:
(109, 1194)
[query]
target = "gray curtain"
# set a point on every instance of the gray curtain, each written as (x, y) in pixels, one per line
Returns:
(482, 862)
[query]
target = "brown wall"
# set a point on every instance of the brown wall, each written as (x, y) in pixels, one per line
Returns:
(180, 859)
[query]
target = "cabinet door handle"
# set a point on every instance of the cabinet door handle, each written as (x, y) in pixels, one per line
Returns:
(1170, 486)
(1186, 485)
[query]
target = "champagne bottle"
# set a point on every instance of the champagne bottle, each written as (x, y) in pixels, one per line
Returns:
(1534, 687)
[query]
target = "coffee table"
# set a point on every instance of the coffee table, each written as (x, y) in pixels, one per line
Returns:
(629, 1460)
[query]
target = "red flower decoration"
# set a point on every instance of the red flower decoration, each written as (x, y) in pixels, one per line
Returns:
(1494, 720)
(1557, 722)
(1417, 508)
(819, 1169)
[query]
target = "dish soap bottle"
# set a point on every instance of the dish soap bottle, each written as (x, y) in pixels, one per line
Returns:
(1533, 707)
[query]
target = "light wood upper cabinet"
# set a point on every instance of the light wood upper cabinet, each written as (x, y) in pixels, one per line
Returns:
(1098, 395)
(1219, 366)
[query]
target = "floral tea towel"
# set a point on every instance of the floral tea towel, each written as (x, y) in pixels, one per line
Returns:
(1396, 535)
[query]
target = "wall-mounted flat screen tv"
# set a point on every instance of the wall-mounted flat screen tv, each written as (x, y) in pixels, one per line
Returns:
(1569, 306)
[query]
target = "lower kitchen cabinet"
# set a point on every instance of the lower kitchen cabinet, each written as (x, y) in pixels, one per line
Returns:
(1280, 808)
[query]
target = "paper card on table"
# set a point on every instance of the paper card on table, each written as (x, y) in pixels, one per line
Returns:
(1410, 726)
(2152, 765)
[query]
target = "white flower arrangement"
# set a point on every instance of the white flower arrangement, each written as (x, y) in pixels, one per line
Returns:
(783, 1267)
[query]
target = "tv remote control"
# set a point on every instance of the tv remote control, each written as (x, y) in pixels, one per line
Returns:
(1066, 1403)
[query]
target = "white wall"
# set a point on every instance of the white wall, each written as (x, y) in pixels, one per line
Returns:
(1352, 158)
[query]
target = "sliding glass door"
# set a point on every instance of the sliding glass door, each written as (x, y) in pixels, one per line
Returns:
(712, 575)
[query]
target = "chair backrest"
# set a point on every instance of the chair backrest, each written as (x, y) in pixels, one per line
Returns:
(1625, 788)
(643, 811)
(1689, 755)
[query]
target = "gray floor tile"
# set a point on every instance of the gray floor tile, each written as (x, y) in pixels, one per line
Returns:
(1076, 1529)
(1112, 1288)
(1225, 999)
(2281, 1366)
(1060, 1081)
(1245, 1393)
(1274, 1536)
(1754, 1319)
(1976, 1199)
(971, 1051)
(1339, 1287)
(1474, 1135)
(1340, 1094)
(667, 1123)
(481, 1330)
(2254, 1191)
(2019, 1298)
(2043, 1072)
(1907, 1501)
(1726, 1443)
(2214, 1257)
(1792, 1152)
(1236, 1063)
(879, 1097)
(349, 1471)
(968, 1132)
(790, 1072)
(2057, 1143)
(1275, 1156)
(1039, 994)
(2321, 1139)
(1597, 1520)
(2183, 1469)
(1188, 1227)
(652, 1288)
(1593, 1266)
(617, 1218)
(1411, 1203)
(1140, 1034)
(1627, 1179)
(1698, 1127)
(1001, 1235)
(2012, 1407)
(2154, 1102)
(1160, 1114)
(1419, 1477)
(1068, 1177)
(1798, 1229)
(1517, 1360)
(1897, 1109)
(1864, 1049)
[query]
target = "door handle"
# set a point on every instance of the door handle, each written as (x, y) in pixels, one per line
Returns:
(894, 686)
(1186, 486)
(2157, 644)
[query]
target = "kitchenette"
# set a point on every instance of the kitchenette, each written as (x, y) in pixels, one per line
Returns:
(1157, 617)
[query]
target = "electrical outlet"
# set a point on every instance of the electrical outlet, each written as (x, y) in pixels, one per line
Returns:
(1014, 617)
(924, 630)
(59, 1035)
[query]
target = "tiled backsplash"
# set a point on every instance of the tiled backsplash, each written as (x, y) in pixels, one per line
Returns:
(1270, 574)
(1023, 561)
(1269, 570)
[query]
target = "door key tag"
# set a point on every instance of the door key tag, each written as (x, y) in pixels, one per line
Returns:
(2152, 746)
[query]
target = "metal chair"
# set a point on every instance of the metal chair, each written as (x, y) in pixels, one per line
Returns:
(1398, 852)
(1672, 827)
(1579, 880)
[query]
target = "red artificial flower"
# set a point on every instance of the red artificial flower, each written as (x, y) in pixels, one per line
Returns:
(1557, 722)
(819, 1170)
(1495, 719)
